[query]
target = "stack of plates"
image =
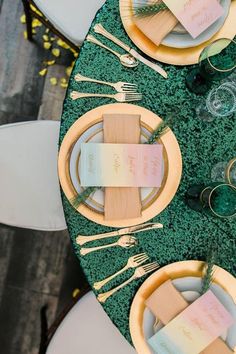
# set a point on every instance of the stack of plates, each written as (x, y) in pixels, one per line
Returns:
(89, 129)
(186, 278)
(178, 47)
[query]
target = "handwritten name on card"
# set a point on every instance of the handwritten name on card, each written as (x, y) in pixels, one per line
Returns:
(194, 329)
(195, 15)
(121, 165)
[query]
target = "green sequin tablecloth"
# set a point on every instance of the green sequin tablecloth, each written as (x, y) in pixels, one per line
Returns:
(186, 233)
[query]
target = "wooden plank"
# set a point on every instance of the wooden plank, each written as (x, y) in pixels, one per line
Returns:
(20, 314)
(20, 61)
(38, 261)
(6, 241)
(53, 96)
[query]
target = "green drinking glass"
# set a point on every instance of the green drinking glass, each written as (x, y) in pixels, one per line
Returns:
(216, 61)
(217, 199)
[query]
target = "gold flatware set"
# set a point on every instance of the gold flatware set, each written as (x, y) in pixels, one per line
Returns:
(126, 240)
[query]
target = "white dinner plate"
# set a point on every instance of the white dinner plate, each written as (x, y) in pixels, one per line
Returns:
(179, 38)
(190, 288)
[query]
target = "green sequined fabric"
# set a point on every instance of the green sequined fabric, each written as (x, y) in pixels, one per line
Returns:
(186, 233)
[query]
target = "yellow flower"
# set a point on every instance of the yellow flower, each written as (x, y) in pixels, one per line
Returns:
(68, 70)
(43, 72)
(63, 83)
(45, 38)
(63, 80)
(36, 23)
(47, 45)
(52, 39)
(25, 35)
(50, 62)
(23, 19)
(76, 55)
(47, 30)
(62, 44)
(56, 52)
(75, 293)
(34, 31)
(53, 81)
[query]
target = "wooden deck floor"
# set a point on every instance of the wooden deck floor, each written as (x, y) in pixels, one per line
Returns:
(35, 267)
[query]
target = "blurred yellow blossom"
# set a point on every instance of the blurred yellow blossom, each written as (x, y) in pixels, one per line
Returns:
(63, 83)
(36, 23)
(62, 44)
(50, 62)
(68, 70)
(43, 72)
(56, 52)
(47, 45)
(23, 19)
(45, 38)
(53, 81)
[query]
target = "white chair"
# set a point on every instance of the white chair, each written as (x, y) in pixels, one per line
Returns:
(87, 329)
(29, 186)
(70, 19)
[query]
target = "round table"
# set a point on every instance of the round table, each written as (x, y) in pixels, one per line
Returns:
(186, 233)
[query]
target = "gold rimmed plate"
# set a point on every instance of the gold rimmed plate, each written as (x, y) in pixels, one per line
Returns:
(88, 128)
(169, 55)
(186, 277)
(95, 135)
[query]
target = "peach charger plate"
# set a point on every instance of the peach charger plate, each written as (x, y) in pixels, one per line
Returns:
(171, 179)
(168, 55)
(171, 271)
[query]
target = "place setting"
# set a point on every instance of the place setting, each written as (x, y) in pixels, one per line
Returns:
(123, 202)
(165, 32)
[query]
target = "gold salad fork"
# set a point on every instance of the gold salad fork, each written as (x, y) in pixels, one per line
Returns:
(139, 272)
(119, 97)
(133, 262)
(124, 241)
(118, 86)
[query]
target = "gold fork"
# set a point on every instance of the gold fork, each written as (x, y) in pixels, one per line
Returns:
(119, 97)
(133, 262)
(139, 272)
(124, 241)
(118, 86)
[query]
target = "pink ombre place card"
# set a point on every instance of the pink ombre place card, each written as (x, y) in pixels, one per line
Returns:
(193, 329)
(121, 165)
(195, 15)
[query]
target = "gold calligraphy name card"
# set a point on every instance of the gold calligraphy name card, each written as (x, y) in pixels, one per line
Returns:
(121, 165)
(194, 329)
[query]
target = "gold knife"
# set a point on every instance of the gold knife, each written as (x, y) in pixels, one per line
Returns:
(81, 240)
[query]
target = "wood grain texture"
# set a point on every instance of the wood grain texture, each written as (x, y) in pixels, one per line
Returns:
(53, 96)
(37, 268)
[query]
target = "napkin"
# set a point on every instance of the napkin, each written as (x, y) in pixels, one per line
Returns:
(156, 27)
(166, 303)
(122, 202)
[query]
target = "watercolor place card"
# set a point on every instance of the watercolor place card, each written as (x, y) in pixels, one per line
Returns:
(193, 329)
(195, 15)
(121, 165)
